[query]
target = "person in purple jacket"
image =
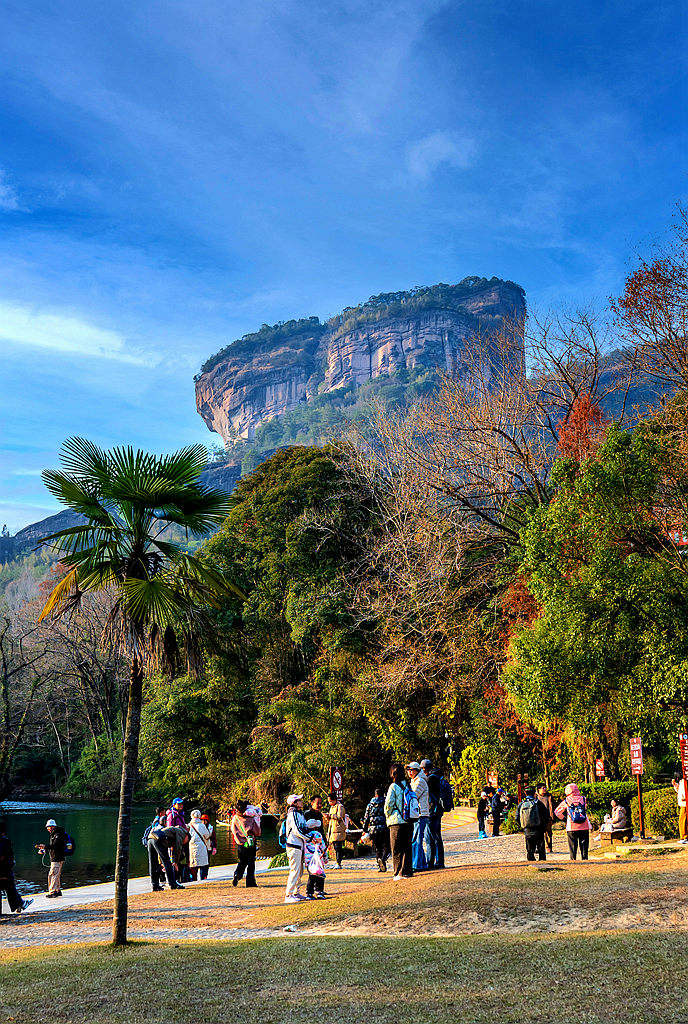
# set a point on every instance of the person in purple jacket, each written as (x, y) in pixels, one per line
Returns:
(175, 815)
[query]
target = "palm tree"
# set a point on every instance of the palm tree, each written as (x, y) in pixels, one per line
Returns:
(161, 595)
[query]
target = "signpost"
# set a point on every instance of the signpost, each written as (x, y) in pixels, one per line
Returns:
(599, 768)
(636, 748)
(492, 778)
(683, 744)
(337, 782)
(521, 779)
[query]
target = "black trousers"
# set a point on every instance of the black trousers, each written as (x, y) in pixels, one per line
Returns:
(579, 841)
(338, 848)
(495, 824)
(13, 898)
(535, 843)
(400, 837)
(158, 853)
(380, 840)
(315, 883)
(246, 862)
(435, 842)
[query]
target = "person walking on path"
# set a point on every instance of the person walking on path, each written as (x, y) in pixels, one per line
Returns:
(296, 837)
(7, 882)
(533, 817)
(679, 785)
(573, 808)
(483, 810)
(419, 785)
(245, 830)
(199, 847)
(336, 829)
(56, 850)
(400, 830)
(496, 807)
(545, 797)
(375, 824)
(157, 838)
(441, 801)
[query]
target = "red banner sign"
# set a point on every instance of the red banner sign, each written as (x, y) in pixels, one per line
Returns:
(683, 743)
(599, 768)
(493, 778)
(636, 747)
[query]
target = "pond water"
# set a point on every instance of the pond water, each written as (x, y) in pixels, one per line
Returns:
(94, 830)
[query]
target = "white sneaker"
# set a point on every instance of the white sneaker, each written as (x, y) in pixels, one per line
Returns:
(292, 899)
(397, 878)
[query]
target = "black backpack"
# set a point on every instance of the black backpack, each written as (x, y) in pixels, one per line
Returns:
(446, 795)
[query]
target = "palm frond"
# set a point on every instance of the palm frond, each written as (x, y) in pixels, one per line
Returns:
(59, 595)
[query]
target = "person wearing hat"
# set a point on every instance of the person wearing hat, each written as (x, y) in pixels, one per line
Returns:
(419, 785)
(205, 818)
(55, 848)
(175, 815)
(7, 882)
(296, 837)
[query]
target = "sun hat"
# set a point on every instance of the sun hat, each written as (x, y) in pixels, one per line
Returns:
(426, 763)
(413, 764)
(195, 813)
(49, 822)
(204, 817)
(177, 800)
(291, 800)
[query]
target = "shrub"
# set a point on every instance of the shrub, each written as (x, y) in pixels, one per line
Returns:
(510, 825)
(97, 771)
(600, 794)
(661, 813)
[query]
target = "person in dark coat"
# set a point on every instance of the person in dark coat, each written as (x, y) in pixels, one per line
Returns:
(56, 850)
(546, 798)
(375, 824)
(482, 812)
(7, 883)
(534, 832)
(496, 807)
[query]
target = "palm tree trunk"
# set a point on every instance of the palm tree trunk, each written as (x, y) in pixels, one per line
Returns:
(126, 794)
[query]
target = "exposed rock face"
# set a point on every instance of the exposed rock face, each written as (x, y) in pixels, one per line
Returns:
(253, 381)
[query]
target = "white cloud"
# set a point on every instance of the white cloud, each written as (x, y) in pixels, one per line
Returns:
(9, 200)
(64, 333)
(440, 147)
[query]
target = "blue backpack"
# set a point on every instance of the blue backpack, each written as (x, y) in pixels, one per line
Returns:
(411, 807)
(282, 834)
(577, 813)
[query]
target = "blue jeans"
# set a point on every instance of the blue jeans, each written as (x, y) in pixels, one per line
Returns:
(434, 844)
(419, 861)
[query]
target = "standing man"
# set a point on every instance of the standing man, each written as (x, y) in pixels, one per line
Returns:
(496, 807)
(296, 836)
(533, 817)
(375, 824)
(336, 829)
(17, 904)
(55, 848)
(545, 797)
(680, 789)
(441, 800)
(419, 785)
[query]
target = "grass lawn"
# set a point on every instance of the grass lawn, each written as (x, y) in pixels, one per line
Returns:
(610, 978)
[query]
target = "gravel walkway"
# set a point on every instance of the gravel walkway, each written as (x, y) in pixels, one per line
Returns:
(200, 917)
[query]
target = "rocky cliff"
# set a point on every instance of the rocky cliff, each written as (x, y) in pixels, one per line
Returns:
(264, 375)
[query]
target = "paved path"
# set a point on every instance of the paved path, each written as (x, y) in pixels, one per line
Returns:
(83, 914)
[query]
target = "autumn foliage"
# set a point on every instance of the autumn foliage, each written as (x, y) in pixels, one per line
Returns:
(583, 430)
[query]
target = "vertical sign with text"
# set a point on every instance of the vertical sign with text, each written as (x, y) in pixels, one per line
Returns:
(599, 768)
(337, 782)
(636, 747)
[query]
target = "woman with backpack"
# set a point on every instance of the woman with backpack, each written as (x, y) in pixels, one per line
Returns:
(573, 808)
(375, 824)
(399, 823)
(245, 830)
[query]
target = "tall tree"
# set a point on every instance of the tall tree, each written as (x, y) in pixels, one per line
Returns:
(127, 498)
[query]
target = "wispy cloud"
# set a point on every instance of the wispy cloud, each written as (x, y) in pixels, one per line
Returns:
(424, 156)
(64, 333)
(9, 200)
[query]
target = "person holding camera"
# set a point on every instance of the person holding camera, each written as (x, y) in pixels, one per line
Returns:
(245, 830)
(56, 850)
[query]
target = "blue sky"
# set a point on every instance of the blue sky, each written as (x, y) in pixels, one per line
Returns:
(174, 174)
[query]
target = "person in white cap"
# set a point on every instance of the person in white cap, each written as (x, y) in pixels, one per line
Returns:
(296, 836)
(419, 785)
(55, 848)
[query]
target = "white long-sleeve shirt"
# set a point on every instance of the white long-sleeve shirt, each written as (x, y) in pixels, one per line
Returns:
(419, 785)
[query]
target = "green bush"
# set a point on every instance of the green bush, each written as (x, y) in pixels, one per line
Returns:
(97, 771)
(280, 860)
(661, 813)
(510, 825)
(599, 794)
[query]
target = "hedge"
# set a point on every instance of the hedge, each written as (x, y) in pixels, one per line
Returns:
(661, 813)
